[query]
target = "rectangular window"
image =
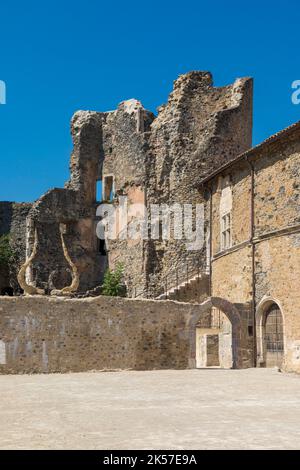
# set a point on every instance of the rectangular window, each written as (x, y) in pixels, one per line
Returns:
(226, 231)
(108, 188)
(101, 247)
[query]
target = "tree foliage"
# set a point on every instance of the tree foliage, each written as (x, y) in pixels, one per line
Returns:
(112, 283)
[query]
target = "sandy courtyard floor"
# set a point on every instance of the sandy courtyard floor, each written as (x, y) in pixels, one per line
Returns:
(191, 409)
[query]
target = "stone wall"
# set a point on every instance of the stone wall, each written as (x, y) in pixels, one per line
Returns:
(151, 160)
(46, 334)
(5, 222)
(126, 134)
(13, 221)
(195, 290)
(200, 128)
(73, 207)
(162, 157)
(277, 278)
(277, 201)
(237, 201)
(232, 276)
(6, 212)
(277, 257)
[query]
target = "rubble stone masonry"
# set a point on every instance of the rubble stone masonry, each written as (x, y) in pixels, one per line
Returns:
(150, 160)
(13, 222)
(48, 334)
(262, 264)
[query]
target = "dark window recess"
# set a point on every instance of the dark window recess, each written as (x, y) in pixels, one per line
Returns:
(108, 188)
(250, 330)
(101, 247)
(7, 291)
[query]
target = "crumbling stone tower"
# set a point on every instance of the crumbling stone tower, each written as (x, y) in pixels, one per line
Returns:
(198, 130)
(150, 159)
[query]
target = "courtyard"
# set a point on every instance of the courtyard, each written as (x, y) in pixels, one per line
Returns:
(167, 409)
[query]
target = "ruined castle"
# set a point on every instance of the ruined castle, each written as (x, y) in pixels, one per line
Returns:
(233, 302)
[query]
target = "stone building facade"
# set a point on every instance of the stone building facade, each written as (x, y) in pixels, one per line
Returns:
(254, 206)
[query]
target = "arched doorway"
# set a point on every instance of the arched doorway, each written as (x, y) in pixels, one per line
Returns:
(273, 336)
(214, 341)
(209, 342)
(270, 346)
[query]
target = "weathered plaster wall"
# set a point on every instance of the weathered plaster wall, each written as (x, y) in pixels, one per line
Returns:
(44, 334)
(125, 147)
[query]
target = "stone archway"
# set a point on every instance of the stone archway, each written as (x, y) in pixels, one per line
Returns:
(233, 316)
(265, 307)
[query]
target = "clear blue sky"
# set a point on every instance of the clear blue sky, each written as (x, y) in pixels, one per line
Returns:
(58, 57)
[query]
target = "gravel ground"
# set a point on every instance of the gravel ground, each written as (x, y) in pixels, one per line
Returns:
(190, 409)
